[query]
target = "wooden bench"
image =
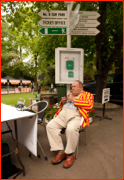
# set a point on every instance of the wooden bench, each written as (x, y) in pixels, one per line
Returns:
(50, 98)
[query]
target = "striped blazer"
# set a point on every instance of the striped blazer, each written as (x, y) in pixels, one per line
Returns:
(84, 103)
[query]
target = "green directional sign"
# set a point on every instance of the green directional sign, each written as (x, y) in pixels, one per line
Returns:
(53, 31)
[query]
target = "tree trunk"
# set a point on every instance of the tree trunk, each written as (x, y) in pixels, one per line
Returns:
(101, 76)
(100, 85)
(104, 62)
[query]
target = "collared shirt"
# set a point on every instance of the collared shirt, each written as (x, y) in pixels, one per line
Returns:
(70, 104)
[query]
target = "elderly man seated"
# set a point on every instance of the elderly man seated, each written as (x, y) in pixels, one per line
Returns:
(76, 105)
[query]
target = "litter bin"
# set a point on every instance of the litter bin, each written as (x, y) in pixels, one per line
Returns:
(50, 90)
(37, 96)
(61, 91)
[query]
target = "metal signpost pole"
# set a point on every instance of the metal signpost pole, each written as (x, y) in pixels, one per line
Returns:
(68, 40)
(69, 8)
(68, 35)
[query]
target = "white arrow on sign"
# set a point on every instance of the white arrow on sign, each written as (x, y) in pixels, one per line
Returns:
(89, 14)
(74, 23)
(85, 31)
(53, 22)
(74, 13)
(53, 14)
(87, 23)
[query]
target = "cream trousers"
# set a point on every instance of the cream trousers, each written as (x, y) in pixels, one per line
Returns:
(69, 119)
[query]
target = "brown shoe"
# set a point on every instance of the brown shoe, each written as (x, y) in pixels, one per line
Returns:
(59, 157)
(69, 161)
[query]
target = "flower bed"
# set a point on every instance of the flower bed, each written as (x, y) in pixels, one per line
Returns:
(51, 110)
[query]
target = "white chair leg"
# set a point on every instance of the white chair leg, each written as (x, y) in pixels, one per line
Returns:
(76, 153)
(42, 150)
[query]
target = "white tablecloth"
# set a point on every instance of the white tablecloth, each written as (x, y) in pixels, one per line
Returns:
(26, 125)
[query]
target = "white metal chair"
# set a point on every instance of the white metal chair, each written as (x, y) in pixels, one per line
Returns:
(41, 107)
(82, 129)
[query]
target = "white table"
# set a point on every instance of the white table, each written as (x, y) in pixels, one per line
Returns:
(23, 125)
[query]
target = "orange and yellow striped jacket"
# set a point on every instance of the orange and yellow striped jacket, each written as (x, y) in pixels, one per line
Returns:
(84, 103)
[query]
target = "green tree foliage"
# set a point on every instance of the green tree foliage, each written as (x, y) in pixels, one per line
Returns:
(9, 52)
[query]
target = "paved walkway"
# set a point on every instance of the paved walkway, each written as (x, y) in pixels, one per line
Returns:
(102, 158)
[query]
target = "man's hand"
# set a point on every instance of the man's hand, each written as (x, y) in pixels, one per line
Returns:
(70, 97)
(63, 100)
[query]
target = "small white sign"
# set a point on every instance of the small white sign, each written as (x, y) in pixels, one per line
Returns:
(53, 22)
(105, 95)
(85, 31)
(89, 14)
(87, 23)
(53, 14)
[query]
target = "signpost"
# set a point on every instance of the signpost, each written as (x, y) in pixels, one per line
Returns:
(77, 22)
(89, 14)
(69, 6)
(74, 13)
(87, 23)
(53, 31)
(53, 22)
(53, 14)
(85, 31)
(70, 23)
(74, 23)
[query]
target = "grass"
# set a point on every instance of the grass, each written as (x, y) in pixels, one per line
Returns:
(11, 99)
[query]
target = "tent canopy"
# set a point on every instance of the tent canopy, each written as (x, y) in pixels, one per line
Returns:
(3, 80)
(24, 81)
(15, 81)
(12, 80)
